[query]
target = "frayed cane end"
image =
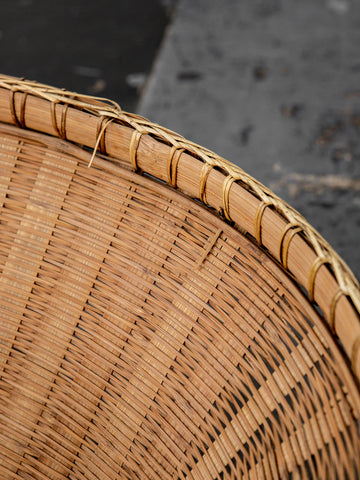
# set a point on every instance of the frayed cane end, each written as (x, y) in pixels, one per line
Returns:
(101, 133)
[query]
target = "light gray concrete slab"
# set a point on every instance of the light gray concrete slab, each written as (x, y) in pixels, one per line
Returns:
(273, 86)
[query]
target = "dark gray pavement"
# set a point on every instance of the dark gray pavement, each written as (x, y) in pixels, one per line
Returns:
(103, 48)
(273, 86)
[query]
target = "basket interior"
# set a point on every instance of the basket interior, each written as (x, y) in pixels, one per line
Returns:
(144, 337)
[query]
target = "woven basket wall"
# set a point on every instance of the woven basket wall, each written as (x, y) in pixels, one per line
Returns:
(162, 314)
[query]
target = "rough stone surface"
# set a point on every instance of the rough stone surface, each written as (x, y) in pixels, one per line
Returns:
(273, 86)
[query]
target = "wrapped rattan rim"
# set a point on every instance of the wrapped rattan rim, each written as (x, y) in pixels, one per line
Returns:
(147, 148)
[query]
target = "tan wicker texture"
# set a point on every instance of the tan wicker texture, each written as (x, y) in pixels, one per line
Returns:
(142, 334)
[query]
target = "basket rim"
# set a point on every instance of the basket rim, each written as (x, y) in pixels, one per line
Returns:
(241, 200)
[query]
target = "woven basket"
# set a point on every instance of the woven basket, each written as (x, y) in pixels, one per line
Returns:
(162, 314)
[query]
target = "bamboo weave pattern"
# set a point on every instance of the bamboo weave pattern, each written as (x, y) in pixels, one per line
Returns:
(142, 336)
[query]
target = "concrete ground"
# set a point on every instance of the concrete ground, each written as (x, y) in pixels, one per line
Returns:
(273, 86)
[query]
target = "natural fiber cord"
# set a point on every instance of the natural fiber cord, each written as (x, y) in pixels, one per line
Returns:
(162, 314)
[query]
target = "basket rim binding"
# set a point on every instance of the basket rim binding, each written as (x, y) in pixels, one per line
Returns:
(252, 208)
